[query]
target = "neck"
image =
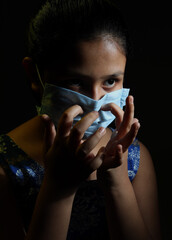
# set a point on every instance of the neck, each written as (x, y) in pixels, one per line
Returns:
(29, 137)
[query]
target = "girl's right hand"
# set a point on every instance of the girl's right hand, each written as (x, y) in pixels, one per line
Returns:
(114, 169)
(68, 159)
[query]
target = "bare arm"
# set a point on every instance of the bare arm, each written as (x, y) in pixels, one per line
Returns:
(45, 221)
(145, 188)
(51, 216)
(68, 162)
(132, 208)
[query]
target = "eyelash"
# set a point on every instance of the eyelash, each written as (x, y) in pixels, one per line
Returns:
(77, 83)
(111, 84)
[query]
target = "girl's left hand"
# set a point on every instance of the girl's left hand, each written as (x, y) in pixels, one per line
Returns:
(115, 153)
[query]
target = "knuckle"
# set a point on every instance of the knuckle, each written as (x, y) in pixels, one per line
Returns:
(128, 128)
(99, 133)
(82, 153)
(76, 131)
(114, 105)
(76, 109)
(65, 116)
(79, 108)
(83, 150)
(68, 113)
(93, 115)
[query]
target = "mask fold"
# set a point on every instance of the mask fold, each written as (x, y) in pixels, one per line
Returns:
(57, 99)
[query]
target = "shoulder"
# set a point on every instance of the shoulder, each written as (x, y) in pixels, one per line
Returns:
(8, 151)
(146, 171)
(6, 145)
(133, 159)
(140, 164)
(144, 152)
(146, 163)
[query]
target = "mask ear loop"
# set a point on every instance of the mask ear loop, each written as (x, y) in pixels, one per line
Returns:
(38, 108)
(39, 76)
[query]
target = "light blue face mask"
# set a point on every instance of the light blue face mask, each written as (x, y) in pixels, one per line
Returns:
(57, 99)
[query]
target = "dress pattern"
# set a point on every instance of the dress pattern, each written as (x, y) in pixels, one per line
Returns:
(88, 219)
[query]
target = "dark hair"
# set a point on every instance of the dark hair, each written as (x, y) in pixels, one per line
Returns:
(62, 23)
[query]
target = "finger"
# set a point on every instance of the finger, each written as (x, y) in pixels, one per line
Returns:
(115, 132)
(115, 159)
(116, 111)
(49, 134)
(118, 158)
(66, 120)
(130, 136)
(91, 163)
(80, 127)
(128, 118)
(86, 147)
(135, 120)
(97, 161)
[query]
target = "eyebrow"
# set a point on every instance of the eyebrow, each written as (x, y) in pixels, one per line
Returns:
(78, 74)
(115, 75)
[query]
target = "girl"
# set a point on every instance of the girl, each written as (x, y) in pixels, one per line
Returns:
(65, 174)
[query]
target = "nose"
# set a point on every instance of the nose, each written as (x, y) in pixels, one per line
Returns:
(96, 92)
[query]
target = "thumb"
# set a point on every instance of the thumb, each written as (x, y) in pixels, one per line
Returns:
(98, 160)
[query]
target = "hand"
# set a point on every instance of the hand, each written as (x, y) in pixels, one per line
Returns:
(68, 159)
(116, 150)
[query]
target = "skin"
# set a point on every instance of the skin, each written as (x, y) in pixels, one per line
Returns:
(132, 208)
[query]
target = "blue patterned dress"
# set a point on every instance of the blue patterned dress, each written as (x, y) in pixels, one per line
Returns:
(88, 220)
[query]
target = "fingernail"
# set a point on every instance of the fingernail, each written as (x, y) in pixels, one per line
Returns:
(45, 117)
(131, 99)
(105, 107)
(101, 130)
(96, 113)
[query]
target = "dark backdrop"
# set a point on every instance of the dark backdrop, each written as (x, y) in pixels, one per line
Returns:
(148, 75)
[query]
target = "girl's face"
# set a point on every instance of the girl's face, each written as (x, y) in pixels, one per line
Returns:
(94, 69)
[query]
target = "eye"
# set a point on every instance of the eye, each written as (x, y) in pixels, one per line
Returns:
(74, 82)
(110, 82)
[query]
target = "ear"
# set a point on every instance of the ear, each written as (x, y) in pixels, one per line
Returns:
(32, 74)
(30, 69)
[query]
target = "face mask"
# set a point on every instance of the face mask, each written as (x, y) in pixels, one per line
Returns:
(57, 99)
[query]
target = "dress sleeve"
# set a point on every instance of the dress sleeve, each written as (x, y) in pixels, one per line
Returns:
(133, 159)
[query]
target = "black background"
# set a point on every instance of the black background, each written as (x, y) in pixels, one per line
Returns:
(148, 75)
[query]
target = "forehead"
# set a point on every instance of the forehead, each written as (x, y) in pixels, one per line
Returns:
(90, 57)
(103, 51)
